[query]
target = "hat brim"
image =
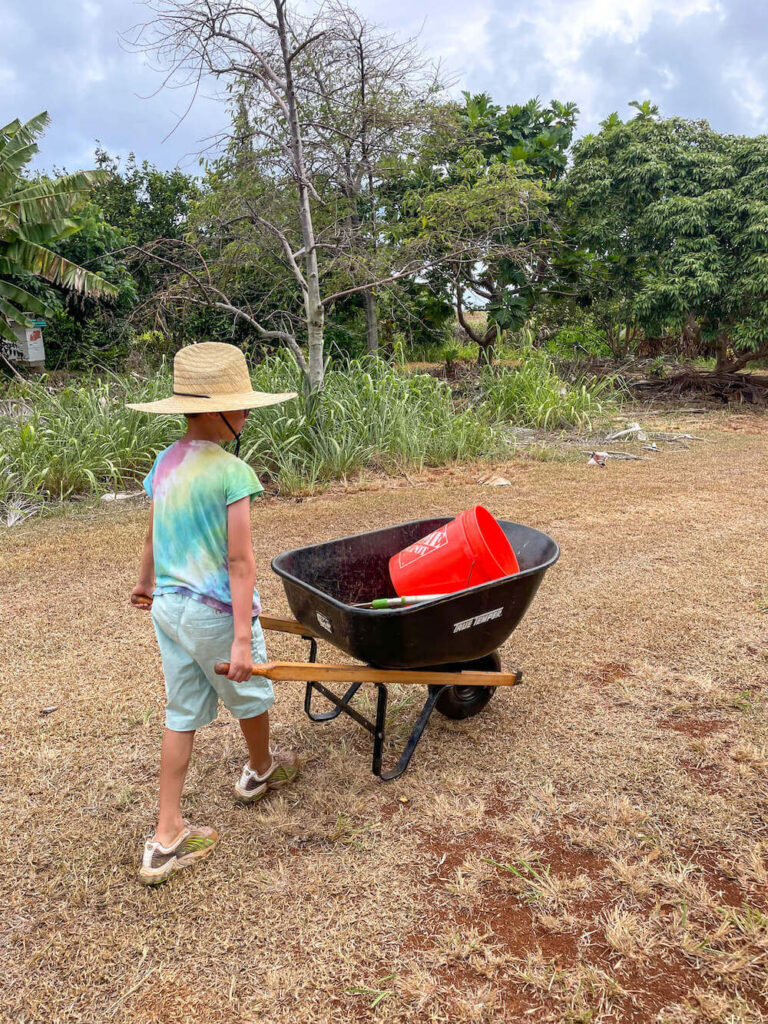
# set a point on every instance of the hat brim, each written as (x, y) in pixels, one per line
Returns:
(177, 404)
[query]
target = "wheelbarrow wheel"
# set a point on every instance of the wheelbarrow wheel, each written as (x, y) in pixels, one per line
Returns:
(466, 701)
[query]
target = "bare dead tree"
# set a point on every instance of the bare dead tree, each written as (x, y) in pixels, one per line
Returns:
(259, 42)
(367, 102)
(189, 280)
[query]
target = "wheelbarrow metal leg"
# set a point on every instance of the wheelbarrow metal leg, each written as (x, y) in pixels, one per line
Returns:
(340, 704)
(413, 739)
(380, 727)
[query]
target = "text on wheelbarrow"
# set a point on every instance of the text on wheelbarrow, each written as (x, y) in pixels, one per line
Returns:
(477, 620)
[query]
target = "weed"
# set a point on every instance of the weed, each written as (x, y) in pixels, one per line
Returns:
(536, 883)
(378, 994)
(344, 832)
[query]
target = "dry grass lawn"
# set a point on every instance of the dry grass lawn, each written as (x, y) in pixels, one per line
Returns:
(592, 847)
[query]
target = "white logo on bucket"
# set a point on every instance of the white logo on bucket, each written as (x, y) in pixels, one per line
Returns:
(423, 547)
(324, 622)
(477, 620)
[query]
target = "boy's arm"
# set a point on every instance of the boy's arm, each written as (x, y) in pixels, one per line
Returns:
(146, 584)
(242, 578)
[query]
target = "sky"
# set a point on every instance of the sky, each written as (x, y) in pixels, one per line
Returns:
(694, 58)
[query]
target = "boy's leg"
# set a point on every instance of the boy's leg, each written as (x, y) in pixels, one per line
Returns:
(175, 753)
(191, 703)
(176, 843)
(256, 733)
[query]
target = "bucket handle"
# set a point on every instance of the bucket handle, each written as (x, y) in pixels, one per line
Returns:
(471, 570)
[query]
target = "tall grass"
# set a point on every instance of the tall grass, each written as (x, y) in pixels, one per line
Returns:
(533, 395)
(370, 414)
(80, 439)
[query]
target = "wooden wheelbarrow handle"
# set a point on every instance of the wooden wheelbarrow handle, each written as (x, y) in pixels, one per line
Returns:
(313, 672)
(284, 625)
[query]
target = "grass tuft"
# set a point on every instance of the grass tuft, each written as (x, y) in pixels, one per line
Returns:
(533, 395)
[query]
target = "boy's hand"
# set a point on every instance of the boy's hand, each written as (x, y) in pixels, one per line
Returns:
(240, 663)
(141, 597)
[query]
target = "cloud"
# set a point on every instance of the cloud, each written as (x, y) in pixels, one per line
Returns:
(603, 53)
(67, 58)
(697, 58)
(750, 88)
(592, 51)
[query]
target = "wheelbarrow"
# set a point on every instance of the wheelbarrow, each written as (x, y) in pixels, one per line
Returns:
(448, 644)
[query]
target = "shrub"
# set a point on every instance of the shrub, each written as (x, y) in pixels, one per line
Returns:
(575, 342)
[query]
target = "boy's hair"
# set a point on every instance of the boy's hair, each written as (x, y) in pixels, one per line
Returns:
(191, 415)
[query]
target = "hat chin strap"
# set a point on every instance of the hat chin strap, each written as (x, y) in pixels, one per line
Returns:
(234, 433)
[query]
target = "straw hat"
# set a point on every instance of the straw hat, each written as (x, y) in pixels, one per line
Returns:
(211, 377)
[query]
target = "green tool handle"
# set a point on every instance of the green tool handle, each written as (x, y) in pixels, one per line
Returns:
(397, 602)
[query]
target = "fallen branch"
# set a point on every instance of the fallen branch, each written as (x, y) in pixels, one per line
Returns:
(617, 455)
(671, 438)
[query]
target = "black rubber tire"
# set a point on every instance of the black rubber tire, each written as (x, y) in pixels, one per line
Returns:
(459, 702)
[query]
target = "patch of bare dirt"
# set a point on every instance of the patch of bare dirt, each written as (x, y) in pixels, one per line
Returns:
(706, 775)
(610, 672)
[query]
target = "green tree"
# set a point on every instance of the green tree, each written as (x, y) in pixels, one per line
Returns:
(674, 220)
(490, 171)
(83, 331)
(134, 205)
(142, 201)
(33, 216)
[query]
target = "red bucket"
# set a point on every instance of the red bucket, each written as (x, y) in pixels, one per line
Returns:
(469, 550)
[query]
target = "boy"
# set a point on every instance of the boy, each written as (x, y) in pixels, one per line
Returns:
(204, 605)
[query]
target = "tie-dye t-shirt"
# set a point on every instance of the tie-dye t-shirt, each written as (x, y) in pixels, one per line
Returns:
(192, 483)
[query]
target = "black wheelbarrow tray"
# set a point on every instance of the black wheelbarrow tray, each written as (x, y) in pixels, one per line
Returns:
(449, 644)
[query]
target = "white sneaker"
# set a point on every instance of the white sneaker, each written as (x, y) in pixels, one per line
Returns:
(283, 770)
(160, 862)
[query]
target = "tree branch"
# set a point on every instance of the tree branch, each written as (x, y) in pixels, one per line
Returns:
(307, 42)
(286, 247)
(213, 296)
(421, 266)
(462, 319)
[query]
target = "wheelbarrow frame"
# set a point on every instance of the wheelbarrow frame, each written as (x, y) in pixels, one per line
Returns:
(342, 704)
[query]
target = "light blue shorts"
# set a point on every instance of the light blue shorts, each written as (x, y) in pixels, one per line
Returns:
(192, 638)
